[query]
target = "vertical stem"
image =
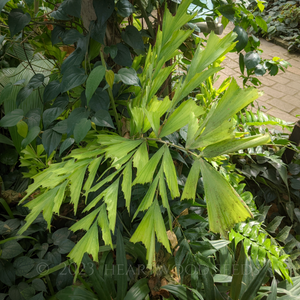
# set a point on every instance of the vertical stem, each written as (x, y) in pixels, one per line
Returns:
(111, 97)
(36, 6)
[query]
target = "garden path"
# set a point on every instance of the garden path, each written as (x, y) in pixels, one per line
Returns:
(281, 97)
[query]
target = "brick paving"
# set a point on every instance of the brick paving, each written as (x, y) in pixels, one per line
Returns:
(281, 93)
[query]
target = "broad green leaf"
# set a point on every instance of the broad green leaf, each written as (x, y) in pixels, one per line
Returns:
(74, 292)
(225, 207)
(70, 7)
(51, 91)
(11, 249)
(139, 290)
(51, 140)
(23, 94)
(89, 243)
(2, 4)
(17, 20)
(227, 11)
(103, 118)
(12, 118)
(273, 290)
(72, 78)
(254, 286)
(22, 128)
(261, 23)
(233, 145)
(133, 38)
(124, 8)
(121, 261)
(252, 59)
(123, 57)
(93, 82)
(151, 224)
(242, 38)
(5, 140)
(65, 145)
(81, 129)
(23, 265)
(128, 76)
(141, 158)
(127, 183)
(71, 36)
(190, 186)
(181, 117)
(109, 77)
(150, 167)
(170, 173)
(50, 115)
(103, 223)
(36, 81)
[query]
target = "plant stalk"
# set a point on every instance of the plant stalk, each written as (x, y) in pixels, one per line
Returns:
(111, 97)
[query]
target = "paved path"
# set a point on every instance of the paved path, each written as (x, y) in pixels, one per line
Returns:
(281, 97)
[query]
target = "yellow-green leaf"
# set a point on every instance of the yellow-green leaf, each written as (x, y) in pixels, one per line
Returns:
(170, 172)
(110, 76)
(103, 223)
(190, 186)
(22, 129)
(140, 158)
(126, 184)
(225, 207)
(151, 224)
(181, 117)
(150, 167)
(232, 145)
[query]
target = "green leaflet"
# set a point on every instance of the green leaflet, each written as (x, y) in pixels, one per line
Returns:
(141, 158)
(232, 102)
(119, 150)
(148, 199)
(190, 186)
(181, 117)
(93, 167)
(89, 243)
(86, 222)
(111, 200)
(232, 145)
(103, 223)
(170, 172)
(149, 168)
(126, 183)
(151, 224)
(93, 81)
(224, 206)
(172, 24)
(164, 196)
(37, 205)
(58, 200)
(76, 179)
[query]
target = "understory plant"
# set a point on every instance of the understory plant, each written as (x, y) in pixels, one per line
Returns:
(136, 169)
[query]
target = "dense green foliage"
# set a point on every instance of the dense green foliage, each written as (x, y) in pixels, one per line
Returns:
(128, 162)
